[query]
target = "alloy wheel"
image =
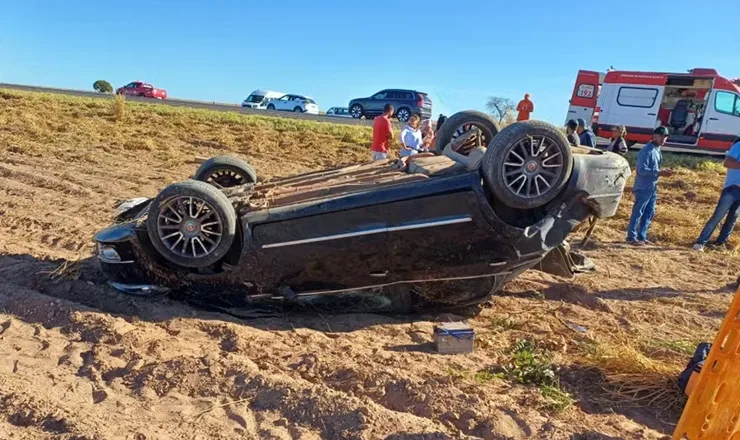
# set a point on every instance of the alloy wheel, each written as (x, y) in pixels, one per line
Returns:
(189, 226)
(532, 166)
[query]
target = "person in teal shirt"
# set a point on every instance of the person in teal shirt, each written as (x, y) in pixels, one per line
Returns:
(728, 204)
(645, 188)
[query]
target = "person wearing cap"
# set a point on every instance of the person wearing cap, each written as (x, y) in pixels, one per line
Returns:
(587, 137)
(525, 107)
(570, 132)
(728, 206)
(645, 187)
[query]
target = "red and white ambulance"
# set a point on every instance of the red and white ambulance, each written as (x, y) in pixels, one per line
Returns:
(701, 109)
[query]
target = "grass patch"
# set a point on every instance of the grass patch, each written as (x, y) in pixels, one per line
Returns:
(632, 377)
(503, 323)
(531, 365)
(119, 107)
(481, 377)
(687, 161)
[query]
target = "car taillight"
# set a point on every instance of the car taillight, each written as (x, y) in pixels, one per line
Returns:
(420, 101)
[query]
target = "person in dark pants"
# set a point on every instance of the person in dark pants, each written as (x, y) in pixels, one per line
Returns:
(570, 133)
(617, 144)
(728, 204)
(588, 139)
(645, 187)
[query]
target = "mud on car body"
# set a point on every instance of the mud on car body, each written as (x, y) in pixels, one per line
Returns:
(448, 228)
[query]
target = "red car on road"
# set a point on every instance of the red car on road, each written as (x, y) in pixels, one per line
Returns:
(138, 88)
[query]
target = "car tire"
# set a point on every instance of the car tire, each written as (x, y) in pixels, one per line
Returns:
(462, 121)
(521, 179)
(403, 114)
(270, 107)
(176, 213)
(298, 110)
(143, 95)
(356, 111)
(225, 172)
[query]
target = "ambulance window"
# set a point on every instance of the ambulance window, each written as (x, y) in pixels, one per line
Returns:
(726, 102)
(585, 91)
(636, 97)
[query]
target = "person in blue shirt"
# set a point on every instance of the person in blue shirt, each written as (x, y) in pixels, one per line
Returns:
(587, 137)
(645, 188)
(728, 204)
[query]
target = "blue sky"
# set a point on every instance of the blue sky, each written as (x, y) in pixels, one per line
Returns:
(459, 52)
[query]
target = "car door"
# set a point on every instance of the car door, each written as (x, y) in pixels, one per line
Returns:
(721, 123)
(376, 103)
(443, 236)
(636, 106)
(127, 88)
(283, 102)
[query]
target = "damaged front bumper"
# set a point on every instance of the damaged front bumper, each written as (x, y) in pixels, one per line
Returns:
(118, 262)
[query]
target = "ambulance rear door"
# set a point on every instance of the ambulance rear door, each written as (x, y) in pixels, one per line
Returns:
(585, 93)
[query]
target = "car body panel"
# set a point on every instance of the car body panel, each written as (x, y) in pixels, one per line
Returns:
(375, 224)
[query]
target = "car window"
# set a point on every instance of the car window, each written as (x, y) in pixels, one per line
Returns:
(330, 111)
(130, 85)
(407, 95)
(728, 103)
(284, 98)
(381, 95)
(636, 97)
(309, 101)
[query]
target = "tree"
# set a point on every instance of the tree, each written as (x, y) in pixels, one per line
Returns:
(101, 86)
(501, 108)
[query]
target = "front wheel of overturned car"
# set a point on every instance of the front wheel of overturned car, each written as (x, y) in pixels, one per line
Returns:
(461, 123)
(191, 224)
(527, 164)
(225, 172)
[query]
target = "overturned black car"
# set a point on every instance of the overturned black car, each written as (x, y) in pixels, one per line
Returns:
(447, 229)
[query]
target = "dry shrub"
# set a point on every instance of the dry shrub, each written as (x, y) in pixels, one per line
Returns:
(119, 107)
(631, 377)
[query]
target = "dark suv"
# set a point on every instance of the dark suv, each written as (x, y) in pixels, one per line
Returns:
(405, 104)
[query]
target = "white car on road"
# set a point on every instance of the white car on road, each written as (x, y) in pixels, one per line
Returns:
(294, 103)
(340, 112)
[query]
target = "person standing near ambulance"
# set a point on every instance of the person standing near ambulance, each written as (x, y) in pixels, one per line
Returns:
(645, 187)
(524, 108)
(587, 137)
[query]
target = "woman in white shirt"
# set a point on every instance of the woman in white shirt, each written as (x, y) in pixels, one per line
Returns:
(411, 141)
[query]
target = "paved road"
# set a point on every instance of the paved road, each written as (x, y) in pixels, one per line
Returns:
(218, 106)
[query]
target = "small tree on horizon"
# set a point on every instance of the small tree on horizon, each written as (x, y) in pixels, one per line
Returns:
(102, 86)
(501, 108)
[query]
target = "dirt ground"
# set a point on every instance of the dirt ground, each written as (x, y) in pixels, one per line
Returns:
(81, 361)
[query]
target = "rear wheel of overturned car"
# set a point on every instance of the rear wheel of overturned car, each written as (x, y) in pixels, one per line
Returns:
(225, 172)
(527, 164)
(462, 122)
(191, 224)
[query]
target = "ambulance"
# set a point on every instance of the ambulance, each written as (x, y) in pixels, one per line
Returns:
(701, 109)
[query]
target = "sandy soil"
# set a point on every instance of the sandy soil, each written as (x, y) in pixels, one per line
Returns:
(81, 361)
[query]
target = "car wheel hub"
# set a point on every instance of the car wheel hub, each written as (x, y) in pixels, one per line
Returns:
(189, 226)
(532, 166)
(472, 142)
(226, 179)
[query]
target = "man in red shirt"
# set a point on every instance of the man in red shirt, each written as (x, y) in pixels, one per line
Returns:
(524, 108)
(382, 133)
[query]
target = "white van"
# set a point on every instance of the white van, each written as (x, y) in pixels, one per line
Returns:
(259, 98)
